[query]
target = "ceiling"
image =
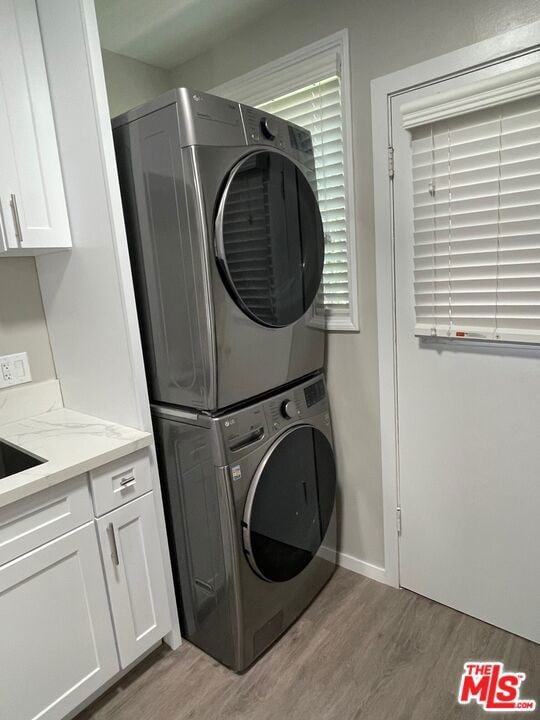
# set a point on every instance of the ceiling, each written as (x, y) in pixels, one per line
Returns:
(166, 33)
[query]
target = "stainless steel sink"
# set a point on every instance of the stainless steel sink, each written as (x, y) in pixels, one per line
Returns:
(14, 460)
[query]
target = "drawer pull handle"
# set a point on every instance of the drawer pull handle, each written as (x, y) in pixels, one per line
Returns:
(3, 236)
(205, 585)
(16, 218)
(114, 547)
(127, 481)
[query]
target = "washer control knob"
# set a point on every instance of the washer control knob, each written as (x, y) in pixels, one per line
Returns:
(269, 128)
(289, 409)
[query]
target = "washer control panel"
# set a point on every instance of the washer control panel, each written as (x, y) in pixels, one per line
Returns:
(293, 405)
(246, 428)
(314, 393)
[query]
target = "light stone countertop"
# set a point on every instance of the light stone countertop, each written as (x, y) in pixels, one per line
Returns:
(70, 442)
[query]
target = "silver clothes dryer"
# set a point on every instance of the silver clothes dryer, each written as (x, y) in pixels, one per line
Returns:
(227, 247)
(250, 509)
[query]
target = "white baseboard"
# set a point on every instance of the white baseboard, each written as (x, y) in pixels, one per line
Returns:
(349, 562)
(362, 567)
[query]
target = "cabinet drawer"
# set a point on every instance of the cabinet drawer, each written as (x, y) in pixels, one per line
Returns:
(33, 521)
(120, 481)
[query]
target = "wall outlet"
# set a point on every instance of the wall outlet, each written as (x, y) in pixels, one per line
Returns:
(14, 370)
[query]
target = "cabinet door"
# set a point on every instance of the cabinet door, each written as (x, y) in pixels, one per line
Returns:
(57, 636)
(135, 577)
(32, 200)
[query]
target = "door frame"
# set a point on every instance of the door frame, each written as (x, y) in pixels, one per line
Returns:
(521, 41)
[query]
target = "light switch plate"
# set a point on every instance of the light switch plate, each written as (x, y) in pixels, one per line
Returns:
(14, 370)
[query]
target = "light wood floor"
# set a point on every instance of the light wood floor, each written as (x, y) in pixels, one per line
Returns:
(362, 650)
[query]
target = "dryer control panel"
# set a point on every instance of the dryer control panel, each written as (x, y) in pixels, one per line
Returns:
(264, 129)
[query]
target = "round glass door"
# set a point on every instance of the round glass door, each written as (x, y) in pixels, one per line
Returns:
(290, 504)
(269, 239)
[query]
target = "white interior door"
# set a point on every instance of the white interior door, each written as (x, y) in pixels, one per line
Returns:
(469, 444)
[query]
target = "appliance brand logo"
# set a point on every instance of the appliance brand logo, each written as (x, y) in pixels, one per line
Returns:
(487, 684)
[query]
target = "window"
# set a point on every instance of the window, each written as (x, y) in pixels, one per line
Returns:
(311, 88)
(476, 185)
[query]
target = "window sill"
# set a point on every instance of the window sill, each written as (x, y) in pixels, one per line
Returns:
(333, 323)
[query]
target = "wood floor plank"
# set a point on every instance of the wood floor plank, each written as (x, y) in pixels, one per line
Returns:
(361, 651)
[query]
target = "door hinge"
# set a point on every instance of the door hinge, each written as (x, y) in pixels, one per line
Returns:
(398, 520)
(390, 161)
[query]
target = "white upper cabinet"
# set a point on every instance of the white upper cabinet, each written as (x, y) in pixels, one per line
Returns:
(33, 211)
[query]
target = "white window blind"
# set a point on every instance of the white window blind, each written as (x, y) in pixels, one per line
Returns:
(476, 185)
(308, 88)
(317, 107)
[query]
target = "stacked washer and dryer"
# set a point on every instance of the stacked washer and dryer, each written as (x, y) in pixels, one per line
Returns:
(227, 251)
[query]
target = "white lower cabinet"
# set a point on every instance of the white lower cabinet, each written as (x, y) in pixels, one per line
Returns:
(80, 598)
(135, 577)
(57, 637)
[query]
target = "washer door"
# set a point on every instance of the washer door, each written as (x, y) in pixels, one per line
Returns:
(269, 239)
(290, 504)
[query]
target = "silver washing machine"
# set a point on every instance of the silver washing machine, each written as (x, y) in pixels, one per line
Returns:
(251, 517)
(227, 247)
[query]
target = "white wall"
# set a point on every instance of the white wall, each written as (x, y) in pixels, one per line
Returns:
(88, 293)
(82, 290)
(130, 82)
(384, 36)
(22, 320)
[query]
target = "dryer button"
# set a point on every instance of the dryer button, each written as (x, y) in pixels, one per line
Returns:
(269, 128)
(289, 409)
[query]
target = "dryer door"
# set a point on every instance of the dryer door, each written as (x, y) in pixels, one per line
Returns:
(269, 238)
(290, 504)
